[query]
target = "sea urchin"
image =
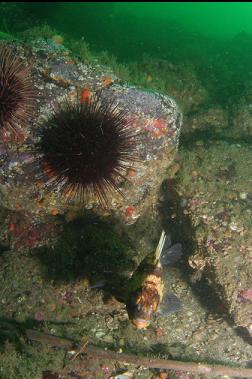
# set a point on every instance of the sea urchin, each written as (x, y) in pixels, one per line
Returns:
(16, 92)
(86, 147)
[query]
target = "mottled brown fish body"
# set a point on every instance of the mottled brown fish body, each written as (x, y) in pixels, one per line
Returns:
(147, 298)
(146, 288)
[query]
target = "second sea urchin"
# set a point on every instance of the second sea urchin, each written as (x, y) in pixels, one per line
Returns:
(16, 92)
(86, 147)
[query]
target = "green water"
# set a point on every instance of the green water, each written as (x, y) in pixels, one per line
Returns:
(219, 19)
(215, 37)
(121, 26)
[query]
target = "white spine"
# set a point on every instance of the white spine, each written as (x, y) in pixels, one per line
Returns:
(160, 246)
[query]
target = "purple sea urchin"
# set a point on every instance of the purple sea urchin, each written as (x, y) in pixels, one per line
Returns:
(16, 92)
(86, 147)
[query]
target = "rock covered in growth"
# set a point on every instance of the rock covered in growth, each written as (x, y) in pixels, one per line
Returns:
(185, 87)
(213, 120)
(219, 204)
(154, 116)
(242, 121)
(179, 80)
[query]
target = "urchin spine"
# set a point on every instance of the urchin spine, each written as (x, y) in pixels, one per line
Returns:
(17, 94)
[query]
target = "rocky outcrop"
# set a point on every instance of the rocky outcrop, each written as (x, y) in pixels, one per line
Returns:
(155, 117)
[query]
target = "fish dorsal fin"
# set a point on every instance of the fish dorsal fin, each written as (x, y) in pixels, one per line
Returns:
(160, 246)
(166, 253)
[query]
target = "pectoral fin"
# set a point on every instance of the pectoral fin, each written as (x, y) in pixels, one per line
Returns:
(170, 254)
(170, 304)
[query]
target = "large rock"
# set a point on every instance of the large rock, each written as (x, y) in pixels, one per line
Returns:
(154, 116)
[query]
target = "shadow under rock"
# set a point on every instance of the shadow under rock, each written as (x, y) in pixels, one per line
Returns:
(3, 247)
(178, 224)
(11, 331)
(189, 139)
(181, 229)
(244, 334)
(89, 248)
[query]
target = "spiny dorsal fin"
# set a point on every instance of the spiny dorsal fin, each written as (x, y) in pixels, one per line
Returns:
(160, 246)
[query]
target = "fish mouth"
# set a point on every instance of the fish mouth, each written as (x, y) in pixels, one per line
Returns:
(140, 323)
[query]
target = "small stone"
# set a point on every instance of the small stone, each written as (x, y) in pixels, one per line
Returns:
(52, 307)
(125, 375)
(131, 172)
(100, 334)
(39, 316)
(54, 211)
(194, 174)
(130, 211)
(121, 342)
(214, 336)
(199, 336)
(183, 203)
(108, 338)
(162, 375)
(70, 216)
(58, 39)
(243, 195)
(238, 259)
(159, 332)
(246, 294)
(233, 226)
(174, 168)
(85, 282)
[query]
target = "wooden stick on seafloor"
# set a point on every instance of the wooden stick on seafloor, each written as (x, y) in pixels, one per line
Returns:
(93, 351)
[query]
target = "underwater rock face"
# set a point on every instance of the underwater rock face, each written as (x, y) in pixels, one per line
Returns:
(213, 120)
(219, 205)
(242, 123)
(155, 117)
